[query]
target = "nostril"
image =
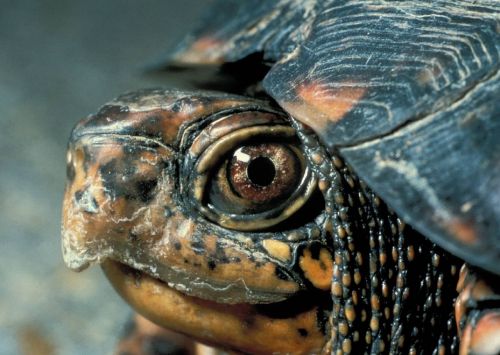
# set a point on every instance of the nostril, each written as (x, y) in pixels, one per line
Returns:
(85, 201)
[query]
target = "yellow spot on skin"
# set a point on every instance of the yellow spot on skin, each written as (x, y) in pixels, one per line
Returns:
(374, 324)
(411, 253)
(355, 298)
(368, 337)
(350, 314)
(346, 280)
(387, 313)
(323, 185)
(383, 258)
(381, 346)
(355, 336)
(317, 271)
(385, 289)
(337, 289)
(277, 249)
(357, 277)
(343, 328)
(375, 302)
(346, 346)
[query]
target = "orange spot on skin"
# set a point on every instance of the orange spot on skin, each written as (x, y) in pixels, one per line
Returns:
(319, 106)
(317, 271)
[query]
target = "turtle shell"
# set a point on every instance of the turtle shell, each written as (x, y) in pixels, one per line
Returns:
(407, 92)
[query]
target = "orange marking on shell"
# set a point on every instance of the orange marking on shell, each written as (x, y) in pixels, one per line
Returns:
(317, 271)
(463, 231)
(319, 106)
(205, 50)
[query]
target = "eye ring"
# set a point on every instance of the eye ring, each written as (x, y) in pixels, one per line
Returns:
(212, 155)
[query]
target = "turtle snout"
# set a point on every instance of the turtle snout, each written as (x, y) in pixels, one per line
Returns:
(116, 186)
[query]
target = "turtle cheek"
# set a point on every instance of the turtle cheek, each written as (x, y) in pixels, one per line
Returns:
(113, 191)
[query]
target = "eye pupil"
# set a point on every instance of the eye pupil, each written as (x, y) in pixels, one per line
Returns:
(261, 171)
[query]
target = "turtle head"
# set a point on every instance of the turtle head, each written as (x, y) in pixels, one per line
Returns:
(204, 211)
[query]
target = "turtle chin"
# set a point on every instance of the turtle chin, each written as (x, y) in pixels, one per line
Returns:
(285, 326)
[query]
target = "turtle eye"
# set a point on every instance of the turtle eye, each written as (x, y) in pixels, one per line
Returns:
(251, 178)
(255, 178)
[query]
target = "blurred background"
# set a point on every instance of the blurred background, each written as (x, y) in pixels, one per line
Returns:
(59, 61)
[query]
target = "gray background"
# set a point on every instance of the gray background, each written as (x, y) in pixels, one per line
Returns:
(59, 61)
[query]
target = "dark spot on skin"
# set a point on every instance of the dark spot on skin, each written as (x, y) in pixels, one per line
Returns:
(109, 179)
(280, 274)
(118, 180)
(303, 332)
(177, 246)
(157, 345)
(198, 247)
(132, 237)
(322, 319)
(315, 248)
(186, 261)
(259, 264)
(220, 255)
(87, 202)
(168, 212)
(78, 195)
(88, 159)
(176, 107)
(249, 321)
(211, 264)
(149, 127)
(145, 189)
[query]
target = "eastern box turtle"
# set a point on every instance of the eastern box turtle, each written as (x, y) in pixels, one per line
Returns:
(327, 202)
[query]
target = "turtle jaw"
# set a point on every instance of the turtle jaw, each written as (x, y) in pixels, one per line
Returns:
(254, 328)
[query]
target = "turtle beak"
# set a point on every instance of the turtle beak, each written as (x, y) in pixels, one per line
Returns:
(112, 180)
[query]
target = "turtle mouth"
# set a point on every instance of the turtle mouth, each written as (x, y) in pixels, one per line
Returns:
(231, 292)
(249, 326)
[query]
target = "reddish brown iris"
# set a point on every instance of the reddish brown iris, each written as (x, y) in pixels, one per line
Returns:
(263, 173)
